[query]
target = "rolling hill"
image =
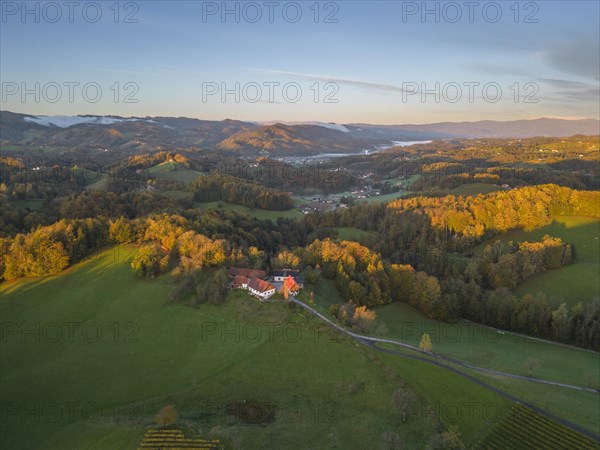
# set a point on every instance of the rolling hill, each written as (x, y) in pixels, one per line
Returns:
(142, 134)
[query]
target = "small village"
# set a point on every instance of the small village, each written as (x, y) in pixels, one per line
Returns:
(263, 287)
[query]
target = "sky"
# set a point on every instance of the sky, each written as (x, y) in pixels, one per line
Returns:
(389, 62)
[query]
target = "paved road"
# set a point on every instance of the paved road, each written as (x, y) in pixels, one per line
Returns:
(373, 341)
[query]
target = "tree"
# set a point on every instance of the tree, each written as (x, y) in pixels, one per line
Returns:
(425, 344)
(561, 323)
(333, 309)
(214, 289)
(150, 261)
(166, 416)
(363, 319)
(285, 260)
(403, 400)
(531, 364)
(122, 231)
(451, 438)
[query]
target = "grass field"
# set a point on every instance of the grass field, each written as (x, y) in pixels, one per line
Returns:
(258, 213)
(351, 234)
(174, 171)
(177, 195)
(31, 204)
(576, 282)
(485, 348)
(129, 354)
(383, 198)
(100, 183)
(474, 343)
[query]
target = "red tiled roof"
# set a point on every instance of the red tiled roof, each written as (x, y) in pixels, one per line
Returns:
(240, 280)
(260, 285)
(290, 283)
(235, 271)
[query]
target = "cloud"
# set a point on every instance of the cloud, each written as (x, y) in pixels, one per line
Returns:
(328, 79)
(579, 57)
(570, 90)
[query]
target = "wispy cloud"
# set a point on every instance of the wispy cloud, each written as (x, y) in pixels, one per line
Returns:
(570, 90)
(580, 57)
(117, 70)
(372, 85)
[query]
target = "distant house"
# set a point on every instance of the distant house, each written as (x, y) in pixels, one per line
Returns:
(261, 288)
(248, 273)
(281, 275)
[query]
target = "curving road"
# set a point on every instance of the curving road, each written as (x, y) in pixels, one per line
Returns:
(445, 363)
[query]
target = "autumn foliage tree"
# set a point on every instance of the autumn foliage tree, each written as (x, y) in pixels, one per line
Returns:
(425, 344)
(166, 416)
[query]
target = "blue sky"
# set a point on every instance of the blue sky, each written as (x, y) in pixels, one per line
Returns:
(371, 61)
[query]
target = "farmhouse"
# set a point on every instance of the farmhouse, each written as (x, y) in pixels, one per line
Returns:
(240, 282)
(248, 273)
(291, 285)
(261, 288)
(281, 275)
(256, 283)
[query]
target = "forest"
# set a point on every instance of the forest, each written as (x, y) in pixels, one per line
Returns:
(422, 255)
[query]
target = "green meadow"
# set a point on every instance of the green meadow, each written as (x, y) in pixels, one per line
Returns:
(173, 171)
(90, 355)
(351, 234)
(473, 189)
(258, 213)
(484, 347)
(579, 281)
(31, 204)
(473, 343)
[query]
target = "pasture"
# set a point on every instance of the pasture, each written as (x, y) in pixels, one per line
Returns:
(579, 281)
(255, 212)
(484, 347)
(90, 355)
(174, 171)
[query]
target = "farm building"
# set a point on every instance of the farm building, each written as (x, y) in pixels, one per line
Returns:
(291, 285)
(240, 282)
(281, 275)
(248, 273)
(261, 288)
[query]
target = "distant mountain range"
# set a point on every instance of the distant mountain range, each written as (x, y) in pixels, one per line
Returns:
(137, 134)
